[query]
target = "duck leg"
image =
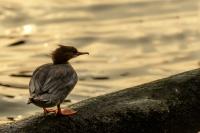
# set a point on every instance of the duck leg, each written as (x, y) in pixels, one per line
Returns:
(48, 110)
(66, 112)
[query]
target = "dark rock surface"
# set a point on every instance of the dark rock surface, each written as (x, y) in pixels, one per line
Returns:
(169, 105)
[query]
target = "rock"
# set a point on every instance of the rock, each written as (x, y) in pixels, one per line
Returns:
(169, 105)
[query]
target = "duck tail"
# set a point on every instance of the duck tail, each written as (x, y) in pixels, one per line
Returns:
(30, 100)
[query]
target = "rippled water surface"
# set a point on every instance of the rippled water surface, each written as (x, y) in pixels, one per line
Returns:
(130, 42)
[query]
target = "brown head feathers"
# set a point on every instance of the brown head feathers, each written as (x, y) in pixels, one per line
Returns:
(62, 54)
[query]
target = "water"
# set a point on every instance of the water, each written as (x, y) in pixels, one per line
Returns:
(130, 42)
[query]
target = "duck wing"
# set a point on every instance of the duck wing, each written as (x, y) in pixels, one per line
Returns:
(52, 79)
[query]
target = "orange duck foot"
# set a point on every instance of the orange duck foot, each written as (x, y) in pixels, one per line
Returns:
(65, 112)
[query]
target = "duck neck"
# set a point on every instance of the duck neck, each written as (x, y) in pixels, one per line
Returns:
(60, 62)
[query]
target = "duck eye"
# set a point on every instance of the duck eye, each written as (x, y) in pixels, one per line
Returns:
(74, 51)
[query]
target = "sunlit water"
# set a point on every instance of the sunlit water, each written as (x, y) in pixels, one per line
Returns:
(130, 42)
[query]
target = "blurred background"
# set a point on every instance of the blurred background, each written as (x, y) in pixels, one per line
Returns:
(130, 42)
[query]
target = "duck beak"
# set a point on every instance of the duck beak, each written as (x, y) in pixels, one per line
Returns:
(81, 53)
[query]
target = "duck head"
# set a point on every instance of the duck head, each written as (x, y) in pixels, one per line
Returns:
(64, 53)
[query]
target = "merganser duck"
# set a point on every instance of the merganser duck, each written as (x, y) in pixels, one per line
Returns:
(51, 83)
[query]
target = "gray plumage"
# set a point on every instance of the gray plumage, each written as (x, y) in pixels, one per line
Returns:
(51, 83)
